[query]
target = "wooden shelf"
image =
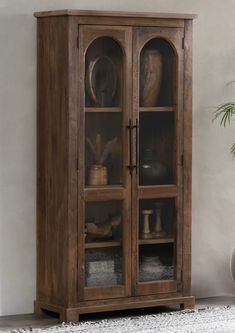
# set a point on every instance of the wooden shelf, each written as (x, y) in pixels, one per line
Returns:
(95, 245)
(157, 191)
(156, 241)
(157, 109)
(106, 109)
(104, 193)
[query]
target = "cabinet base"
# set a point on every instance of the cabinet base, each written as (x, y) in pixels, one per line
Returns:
(72, 314)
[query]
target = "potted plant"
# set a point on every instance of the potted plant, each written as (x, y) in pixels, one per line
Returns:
(226, 112)
(98, 173)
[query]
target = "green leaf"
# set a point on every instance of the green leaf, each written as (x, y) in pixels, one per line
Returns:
(232, 150)
(225, 111)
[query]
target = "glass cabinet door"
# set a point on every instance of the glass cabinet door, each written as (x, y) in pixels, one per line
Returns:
(103, 113)
(158, 114)
(106, 183)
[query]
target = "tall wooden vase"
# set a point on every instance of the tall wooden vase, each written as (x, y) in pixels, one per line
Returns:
(151, 77)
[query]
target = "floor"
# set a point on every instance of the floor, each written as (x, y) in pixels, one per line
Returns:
(8, 323)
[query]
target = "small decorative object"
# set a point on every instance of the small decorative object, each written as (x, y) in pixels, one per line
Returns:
(103, 230)
(101, 81)
(98, 173)
(158, 232)
(146, 230)
(151, 264)
(150, 77)
(152, 268)
(152, 171)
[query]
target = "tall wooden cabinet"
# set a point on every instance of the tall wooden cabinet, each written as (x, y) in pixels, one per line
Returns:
(114, 127)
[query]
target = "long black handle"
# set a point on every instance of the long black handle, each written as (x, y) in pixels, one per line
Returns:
(130, 127)
(137, 146)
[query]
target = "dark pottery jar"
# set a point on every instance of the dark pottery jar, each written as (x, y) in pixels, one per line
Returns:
(152, 171)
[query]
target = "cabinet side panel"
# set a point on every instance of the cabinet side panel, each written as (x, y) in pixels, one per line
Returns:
(73, 162)
(187, 159)
(52, 160)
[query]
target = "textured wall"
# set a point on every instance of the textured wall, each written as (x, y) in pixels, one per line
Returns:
(213, 167)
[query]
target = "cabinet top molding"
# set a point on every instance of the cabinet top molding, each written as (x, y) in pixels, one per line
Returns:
(78, 12)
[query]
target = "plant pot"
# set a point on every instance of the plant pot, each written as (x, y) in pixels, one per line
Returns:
(97, 175)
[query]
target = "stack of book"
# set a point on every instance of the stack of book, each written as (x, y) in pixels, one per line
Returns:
(101, 273)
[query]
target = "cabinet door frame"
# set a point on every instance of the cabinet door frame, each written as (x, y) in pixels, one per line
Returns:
(175, 36)
(122, 35)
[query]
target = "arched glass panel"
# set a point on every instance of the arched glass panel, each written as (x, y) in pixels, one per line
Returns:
(156, 113)
(103, 161)
(103, 116)
(157, 159)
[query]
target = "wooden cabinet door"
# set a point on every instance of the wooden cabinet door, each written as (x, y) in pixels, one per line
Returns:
(104, 207)
(157, 219)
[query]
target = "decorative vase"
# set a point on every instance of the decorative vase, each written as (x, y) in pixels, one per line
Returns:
(97, 175)
(158, 231)
(146, 229)
(150, 77)
(152, 171)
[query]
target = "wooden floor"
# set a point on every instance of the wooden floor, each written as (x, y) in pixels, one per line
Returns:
(29, 320)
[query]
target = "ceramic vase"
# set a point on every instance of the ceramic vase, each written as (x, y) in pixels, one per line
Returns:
(151, 77)
(152, 171)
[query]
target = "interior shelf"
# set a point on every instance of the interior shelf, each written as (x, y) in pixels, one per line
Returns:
(157, 109)
(157, 191)
(156, 241)
(104, 193)
(104, 109)
(95, 245)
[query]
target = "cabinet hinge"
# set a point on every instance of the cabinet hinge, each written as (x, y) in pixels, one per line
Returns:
(78, 42)
(183, 43)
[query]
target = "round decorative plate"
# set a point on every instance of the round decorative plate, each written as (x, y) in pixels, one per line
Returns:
(101, 81)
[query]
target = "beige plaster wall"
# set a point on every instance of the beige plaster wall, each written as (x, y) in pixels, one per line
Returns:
(213, 167)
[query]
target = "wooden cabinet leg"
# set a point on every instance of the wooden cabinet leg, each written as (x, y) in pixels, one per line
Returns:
(37, 309)
(187, 305)
(69, 315)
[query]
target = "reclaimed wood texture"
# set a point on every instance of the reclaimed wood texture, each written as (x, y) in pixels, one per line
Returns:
(61, 191)
(56, 165)
(187, 199)
(79, 12)
(126, 303)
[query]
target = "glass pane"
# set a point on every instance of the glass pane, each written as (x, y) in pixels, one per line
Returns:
(103, 266)
(157, 147)
(103, 236)
(103, 221)
(103, 73)
(156, 74)
(157, 220)
(156, 262)
(103, 120)
(103, 152)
